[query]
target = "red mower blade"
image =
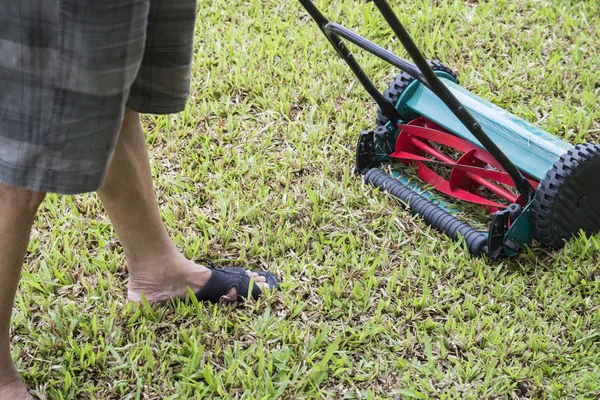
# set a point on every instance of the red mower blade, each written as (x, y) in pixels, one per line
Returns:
(417, 144)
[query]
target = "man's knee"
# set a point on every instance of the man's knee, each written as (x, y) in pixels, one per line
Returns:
(19, 198)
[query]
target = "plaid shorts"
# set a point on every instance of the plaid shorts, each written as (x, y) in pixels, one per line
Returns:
(68, 68)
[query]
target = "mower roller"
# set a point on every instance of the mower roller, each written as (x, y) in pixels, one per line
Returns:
(533, 184)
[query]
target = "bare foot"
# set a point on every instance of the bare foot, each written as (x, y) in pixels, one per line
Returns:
(14, 389)
(162, 280)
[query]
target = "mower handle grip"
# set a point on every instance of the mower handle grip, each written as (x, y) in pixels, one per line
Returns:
(434, 215)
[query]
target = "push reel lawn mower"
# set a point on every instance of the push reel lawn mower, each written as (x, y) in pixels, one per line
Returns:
(534, 184)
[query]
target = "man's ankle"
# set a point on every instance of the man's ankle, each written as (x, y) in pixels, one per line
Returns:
(8, 374)
(141, 262)
(14, 390)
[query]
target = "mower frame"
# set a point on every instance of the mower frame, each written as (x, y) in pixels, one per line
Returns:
(559, 187)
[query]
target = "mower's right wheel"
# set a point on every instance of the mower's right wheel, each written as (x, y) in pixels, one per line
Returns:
(567, 201)
(400, 82)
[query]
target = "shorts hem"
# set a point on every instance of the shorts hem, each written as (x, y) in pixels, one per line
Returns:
(154, 105)
(91, 183)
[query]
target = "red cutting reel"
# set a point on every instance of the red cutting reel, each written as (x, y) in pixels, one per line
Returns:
(419, 144)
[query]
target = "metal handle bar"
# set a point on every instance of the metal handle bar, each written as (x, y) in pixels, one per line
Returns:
(421, 71)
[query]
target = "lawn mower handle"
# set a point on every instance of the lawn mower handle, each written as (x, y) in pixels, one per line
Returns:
(422, 72)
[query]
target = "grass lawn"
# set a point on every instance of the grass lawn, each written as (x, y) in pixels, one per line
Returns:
(258, 171)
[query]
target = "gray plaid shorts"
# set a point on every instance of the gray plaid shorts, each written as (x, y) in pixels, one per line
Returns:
(68, 68)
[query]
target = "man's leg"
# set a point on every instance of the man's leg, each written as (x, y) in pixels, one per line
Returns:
(156, 267)
(17, 212)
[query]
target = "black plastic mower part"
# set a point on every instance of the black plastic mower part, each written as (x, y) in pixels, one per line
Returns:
(568, 199)
(434, 215)
(382, 134)
(400, 82)
(385, 143)
(439, 66)
(498, 229)
(440, 90)
(365, 153)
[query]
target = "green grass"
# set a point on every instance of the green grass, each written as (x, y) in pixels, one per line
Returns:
(258, 170)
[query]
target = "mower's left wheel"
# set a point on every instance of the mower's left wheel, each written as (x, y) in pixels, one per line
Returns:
(392, 93)
(567, 200)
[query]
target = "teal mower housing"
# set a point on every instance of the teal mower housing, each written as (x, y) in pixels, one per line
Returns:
(535, 185)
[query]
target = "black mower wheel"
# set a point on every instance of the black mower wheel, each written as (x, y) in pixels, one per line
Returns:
(400, 82)
(568, 199)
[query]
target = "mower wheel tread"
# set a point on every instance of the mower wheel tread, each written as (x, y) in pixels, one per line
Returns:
(568, 199)
(400, 82)
(392, 93)
(438, 66)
